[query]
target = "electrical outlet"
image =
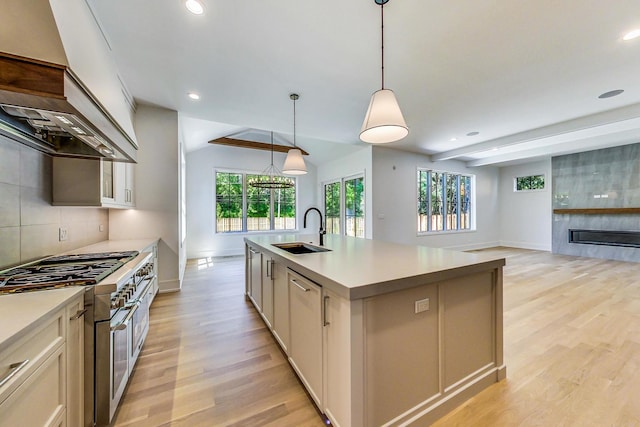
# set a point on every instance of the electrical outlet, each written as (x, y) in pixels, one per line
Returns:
(63, 234)
(101, 228)
(422, 305)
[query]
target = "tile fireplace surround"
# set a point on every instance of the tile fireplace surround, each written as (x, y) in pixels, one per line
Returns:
(596, 190)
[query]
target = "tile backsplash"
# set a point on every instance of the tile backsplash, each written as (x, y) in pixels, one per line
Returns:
(29, 224)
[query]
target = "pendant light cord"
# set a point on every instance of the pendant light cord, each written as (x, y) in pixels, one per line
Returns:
(271, 148)
(294, 122)
(382, 39)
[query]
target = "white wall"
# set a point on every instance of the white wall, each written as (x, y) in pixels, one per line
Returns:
(155, 193)
(356, 163)
(395, 201)
(525, 217)
(202, 240)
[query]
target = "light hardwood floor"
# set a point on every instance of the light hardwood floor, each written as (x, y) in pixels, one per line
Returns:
(572, 349)
(209, 360)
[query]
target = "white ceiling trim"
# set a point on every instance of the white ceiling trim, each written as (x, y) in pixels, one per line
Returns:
(610, 121)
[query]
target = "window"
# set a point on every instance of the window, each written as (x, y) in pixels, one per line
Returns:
(344, 207)
(526, 183)
(354, 207)
(240, 207)
(444, 201)
(332, 207)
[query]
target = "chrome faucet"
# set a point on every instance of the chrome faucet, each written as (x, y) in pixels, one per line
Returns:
(322, 230)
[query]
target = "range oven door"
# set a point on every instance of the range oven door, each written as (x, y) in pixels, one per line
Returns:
(140, 322)
(112, 362)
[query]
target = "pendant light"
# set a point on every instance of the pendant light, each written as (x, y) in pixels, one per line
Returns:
(384, 121)
(271, 178)
(294, 163)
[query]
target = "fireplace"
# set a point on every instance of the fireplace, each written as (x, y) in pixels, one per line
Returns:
(629, 239)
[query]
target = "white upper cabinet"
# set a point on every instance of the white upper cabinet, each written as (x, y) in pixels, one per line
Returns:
(92, 182)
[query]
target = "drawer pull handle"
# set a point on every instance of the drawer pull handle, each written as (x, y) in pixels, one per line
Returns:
(325, 322)
(300, 286)
(78, 315)
(14, 368)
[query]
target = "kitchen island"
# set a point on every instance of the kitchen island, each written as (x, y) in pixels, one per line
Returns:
(381, 333)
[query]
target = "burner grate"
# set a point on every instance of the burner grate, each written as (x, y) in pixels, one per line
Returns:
(57, 275)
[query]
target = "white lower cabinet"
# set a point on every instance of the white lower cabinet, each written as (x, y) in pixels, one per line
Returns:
(75, 362)
(337, 353)
(267, 290)
(255, 278)
(41, 379)
(305, 347)
(280, 305)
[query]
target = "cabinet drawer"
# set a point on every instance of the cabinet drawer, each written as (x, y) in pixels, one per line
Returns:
(34, 348)
(39, 400)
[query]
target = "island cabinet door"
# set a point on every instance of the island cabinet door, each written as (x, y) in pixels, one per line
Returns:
(305, 314)
(255, 277)
(337, 346)
(280, 305)
(267, 290)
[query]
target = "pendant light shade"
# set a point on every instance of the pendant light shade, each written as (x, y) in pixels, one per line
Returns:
(294, 163)
(384, 121)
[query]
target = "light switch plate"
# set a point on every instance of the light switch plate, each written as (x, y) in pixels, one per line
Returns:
(422, 305)
(63, 234)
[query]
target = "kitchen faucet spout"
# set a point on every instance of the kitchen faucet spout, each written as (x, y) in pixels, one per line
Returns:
(322, 229)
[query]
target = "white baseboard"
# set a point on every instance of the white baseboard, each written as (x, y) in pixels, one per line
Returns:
(526, 245)
(169, 286)
(473, 246)
(215, 253)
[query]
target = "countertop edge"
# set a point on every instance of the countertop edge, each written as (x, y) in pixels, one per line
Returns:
(40, 317)
(379, 288)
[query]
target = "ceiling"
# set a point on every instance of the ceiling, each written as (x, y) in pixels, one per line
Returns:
(525, 75)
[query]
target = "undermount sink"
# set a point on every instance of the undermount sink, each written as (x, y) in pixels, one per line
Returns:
(300, 248)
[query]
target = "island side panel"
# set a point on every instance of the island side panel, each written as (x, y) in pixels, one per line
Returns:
(421, 365)
(401, 353)
(468, 327)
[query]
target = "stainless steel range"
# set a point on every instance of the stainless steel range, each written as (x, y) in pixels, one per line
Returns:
(116, 319)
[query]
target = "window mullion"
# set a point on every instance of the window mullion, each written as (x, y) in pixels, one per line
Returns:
(458, 202)
(271, 210)
(244, 202)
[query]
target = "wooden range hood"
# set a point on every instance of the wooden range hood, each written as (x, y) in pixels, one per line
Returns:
(38, 92)
(56, 63)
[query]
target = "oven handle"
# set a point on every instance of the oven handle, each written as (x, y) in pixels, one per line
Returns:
(125, 322)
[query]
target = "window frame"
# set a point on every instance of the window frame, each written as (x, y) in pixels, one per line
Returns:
(245, 185)
(340, 207)
(529, 190)
(445, 201)
(343, 201)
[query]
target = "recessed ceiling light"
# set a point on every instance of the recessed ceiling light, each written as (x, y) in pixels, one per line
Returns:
(453, 139)
(611, 93)
(194, 96)
(195, 6)
(474, 133)
(631, 35)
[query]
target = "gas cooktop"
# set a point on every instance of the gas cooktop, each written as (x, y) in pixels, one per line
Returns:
(62, 271)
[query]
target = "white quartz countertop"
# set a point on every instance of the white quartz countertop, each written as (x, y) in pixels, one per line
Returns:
(21, 312)
(359, 268)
